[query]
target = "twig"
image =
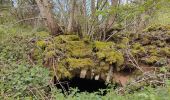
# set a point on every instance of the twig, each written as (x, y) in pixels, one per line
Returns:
(57, 78)
(33, 94)
(113, 33)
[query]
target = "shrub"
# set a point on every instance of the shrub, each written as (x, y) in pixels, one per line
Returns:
(18, 80)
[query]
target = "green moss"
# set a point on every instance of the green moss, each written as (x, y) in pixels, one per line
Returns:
(80, 54)
(42, 44)
(102, 67)
(80, 63)
(103, 45)
(136, 46)
(167, 27)
(42, 34)
(123, 43)
(36, 54)
(66, 38)
(50, 54)
(50, 47)
(101, 55)
(112, 57)
(120, 59)
(117, 58)
(165, 51)
(125, 40)
(138, 49)
(151, 60)
(62, 72)
(153, 50)
(121, 46)
(105, 52)
(79, 49)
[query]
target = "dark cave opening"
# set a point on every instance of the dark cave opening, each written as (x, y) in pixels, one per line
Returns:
(83, 85)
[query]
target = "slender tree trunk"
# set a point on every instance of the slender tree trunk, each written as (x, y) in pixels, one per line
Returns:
(93, 8)
(46, 12)
(71, 19)
(84, 9)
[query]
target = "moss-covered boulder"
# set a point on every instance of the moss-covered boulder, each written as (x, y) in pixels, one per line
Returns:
(75, 54)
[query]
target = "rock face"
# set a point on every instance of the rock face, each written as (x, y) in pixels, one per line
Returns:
(70, 56)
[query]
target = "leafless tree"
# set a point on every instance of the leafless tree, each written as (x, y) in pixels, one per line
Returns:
(45, 7)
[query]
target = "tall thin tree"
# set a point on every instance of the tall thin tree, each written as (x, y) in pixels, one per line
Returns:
(71, 18)
(45, 8)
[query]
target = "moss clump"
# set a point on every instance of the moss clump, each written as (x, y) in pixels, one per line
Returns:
(138, 49)
(36, 54)
(137, 46)
(79, 49)
(50, 54)
(123, 43)
(99, 46)
(66, 38)
(115, 57)
(125, 40)
(101, 55)
(62, 72)
(81, 53)
(105, 52)
(41, 44)
(150, 60)
(121, 46)
(80, 63)
(152, 50)
(42, 35)
(165, 51)
(50, 47)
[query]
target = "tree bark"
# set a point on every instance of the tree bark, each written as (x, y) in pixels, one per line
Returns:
(93, 8)
(71, 19)
(84, 9)
(45, 8)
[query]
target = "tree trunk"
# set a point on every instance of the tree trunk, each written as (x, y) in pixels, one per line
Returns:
(71, 19)
(93, 8)
(45, 8)
(84, 8)
(84, 16)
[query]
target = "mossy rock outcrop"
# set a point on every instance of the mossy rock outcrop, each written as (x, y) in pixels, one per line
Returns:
(74, 54)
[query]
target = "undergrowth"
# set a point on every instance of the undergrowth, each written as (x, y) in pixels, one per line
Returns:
(25, 82)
